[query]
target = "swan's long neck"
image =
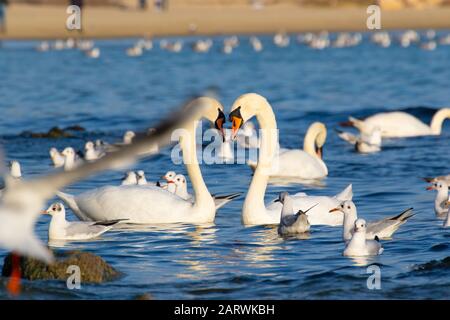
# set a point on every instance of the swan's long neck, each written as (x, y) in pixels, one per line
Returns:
(309, 143)
(349, 223)
(203, 198)
(438, 119)
(254, 201)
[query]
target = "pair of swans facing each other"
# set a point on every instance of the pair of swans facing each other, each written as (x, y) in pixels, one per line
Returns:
(149, 205)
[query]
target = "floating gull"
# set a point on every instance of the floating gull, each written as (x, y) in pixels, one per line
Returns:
(290, 222)
(359, 245)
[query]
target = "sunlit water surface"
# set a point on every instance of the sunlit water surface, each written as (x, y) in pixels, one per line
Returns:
(226, 260)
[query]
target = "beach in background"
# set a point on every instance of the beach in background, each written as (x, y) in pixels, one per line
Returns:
(186, 17)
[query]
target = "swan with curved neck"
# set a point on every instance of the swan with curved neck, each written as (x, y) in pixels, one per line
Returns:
(254, 211)
(401, 124)
(305, 164)
(150, 204)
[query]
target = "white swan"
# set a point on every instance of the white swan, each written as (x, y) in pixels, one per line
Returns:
(359, 245)
(305, 164)
(151, 204)
(401, 124)
(383, 229)
(61, 229)
(441, 197)
(254, 211)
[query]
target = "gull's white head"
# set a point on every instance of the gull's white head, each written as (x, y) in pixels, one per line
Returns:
(89, 146)
(179, 180)
(348, 208)
(140, 173)
(54, 153)
(15, 170)
(56, 208)
(169, 176)
(130, 178)
(68, 152)
(440, 186)
(128, 137)
(360, 226)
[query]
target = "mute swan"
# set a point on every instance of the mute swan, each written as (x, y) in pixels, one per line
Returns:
(306, 163)
(359, 245)
(401, 124)
(151, 204)
(61, 229)
(382, 229)
(290, 222)
(441, 197)
(254, 211)
(129, 179)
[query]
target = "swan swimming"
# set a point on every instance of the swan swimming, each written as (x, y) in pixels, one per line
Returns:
(359, 245)
(151, 204)
(254, 211)
(305, 164)
(61, 229)
(401, 124)
(383, 229)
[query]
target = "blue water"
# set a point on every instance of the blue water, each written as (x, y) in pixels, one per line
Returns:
(226, 260)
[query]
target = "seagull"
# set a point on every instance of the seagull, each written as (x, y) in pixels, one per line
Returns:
(447, 219)
(91, 152)
(130, 179)
(436, 179)
(71, 159)
(61, 229)
(141, 180)
(181, 187)
(290, 222)
(359, 245)
(441, 197)
(169, 176)
(21, 204)
(382, 229)
(15, 170)
(57, 158)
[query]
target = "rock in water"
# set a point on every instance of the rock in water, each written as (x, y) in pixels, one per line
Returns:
(93, 268)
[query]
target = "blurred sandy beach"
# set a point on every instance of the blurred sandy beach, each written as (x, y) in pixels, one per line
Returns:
(29, 21)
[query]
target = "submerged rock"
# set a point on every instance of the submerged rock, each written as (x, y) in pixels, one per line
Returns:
(54, 132)
(93, 268)
(433, 265)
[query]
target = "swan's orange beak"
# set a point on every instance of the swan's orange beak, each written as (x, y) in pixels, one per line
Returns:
(236, 122)
(219, 123)
(334, 210)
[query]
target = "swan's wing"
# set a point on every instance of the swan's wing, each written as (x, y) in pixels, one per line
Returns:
(346, 194)
(20, 204)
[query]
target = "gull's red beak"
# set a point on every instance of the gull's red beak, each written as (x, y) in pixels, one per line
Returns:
(334, 210)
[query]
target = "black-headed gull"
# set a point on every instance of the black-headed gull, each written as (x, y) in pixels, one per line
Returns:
(130, 179)
(290, 222)
(383, 229)
(61, 229)
(441, 197)
(359, 246)
(57, 158)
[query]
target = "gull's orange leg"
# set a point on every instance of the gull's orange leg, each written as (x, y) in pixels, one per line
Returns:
(14, 281)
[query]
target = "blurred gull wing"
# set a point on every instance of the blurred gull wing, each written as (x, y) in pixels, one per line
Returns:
(21, 203)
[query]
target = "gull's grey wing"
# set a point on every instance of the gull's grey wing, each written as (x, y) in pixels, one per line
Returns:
(84, 228)
(289, 220)
(386, 227)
